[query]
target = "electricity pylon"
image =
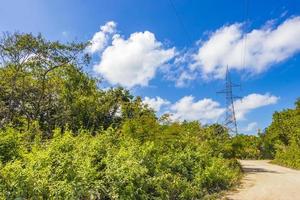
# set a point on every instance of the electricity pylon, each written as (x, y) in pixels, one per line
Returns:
(230, 119)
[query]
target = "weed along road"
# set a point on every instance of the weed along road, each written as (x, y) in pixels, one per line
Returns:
(265, 181)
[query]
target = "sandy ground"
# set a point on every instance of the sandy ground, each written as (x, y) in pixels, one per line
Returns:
(265, 181)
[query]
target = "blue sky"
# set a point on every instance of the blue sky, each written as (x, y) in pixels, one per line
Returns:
(147, 49)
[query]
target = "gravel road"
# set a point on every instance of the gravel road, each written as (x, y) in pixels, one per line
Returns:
(265, 181)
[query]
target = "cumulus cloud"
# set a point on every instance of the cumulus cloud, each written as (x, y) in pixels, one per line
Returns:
(252, 101)
(205, 110)
(208, 111)
(101, 38)
(184, 78)
(251, 127)
(253, 52)
(155, 103)
(179, 70)
(133, 61)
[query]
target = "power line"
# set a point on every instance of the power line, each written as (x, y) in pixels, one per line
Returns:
(180, 21)
(246, 13)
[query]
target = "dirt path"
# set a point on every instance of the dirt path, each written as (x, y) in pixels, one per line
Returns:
(265, 181)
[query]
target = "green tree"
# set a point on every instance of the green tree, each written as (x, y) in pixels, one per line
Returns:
(32, 76)
(281, 139)
(42, 81)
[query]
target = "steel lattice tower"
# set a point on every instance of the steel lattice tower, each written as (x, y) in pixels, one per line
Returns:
(230, 119)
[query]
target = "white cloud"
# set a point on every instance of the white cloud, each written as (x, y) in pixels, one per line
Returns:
(179, 71)
(251, 127)
(205, 110)
(155, 103)
(209, 111)
(101, 38)
(261, 47)
(133, 61)
(184, 78)
(252, 101)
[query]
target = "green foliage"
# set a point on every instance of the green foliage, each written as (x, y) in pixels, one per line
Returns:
(62, 137)
(10, 145)
(288, 155)
(282, 138)
(116, 165)
(32, 76)
(246, 147)
(60, 169)
(217, 141)
(42, 81)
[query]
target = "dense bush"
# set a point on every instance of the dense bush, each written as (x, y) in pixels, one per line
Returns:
(247, 147)
(111, 166)
(10, 147)
(288, 155)
(282, 138)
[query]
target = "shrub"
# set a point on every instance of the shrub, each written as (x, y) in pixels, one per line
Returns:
(111, 165)
(10, 145)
